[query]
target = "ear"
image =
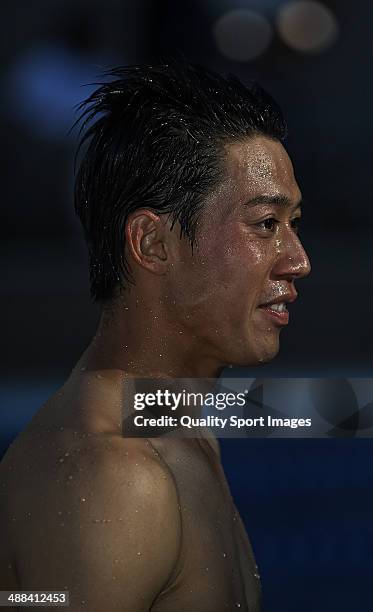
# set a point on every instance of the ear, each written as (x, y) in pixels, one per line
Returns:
(145, 239)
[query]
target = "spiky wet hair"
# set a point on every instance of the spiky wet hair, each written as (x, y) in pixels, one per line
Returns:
(154, 137)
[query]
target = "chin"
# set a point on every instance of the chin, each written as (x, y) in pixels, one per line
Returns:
(267, 357)
(263, 354)
(270, 351)
(245, 353)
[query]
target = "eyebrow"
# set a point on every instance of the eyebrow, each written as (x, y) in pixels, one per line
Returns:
(277, 200)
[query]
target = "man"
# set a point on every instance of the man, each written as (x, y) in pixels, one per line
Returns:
(190, 210)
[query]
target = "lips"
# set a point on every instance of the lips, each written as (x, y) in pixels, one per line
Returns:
(276, 311)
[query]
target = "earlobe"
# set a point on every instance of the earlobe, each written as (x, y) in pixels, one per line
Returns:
(145, 239)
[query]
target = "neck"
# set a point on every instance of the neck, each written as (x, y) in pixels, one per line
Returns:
(145, 342)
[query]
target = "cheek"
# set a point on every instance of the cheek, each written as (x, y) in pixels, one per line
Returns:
(234, 256)
(226, 270)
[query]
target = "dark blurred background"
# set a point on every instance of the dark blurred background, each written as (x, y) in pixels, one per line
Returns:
(307, 504)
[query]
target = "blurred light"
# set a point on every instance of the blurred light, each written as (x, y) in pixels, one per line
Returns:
(307, 26)
(242, 35)
(44, 86)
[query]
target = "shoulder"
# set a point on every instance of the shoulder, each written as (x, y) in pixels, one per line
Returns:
(127, 472)
(95, 478)
(110, 473)
(123, 484)
(108, 512)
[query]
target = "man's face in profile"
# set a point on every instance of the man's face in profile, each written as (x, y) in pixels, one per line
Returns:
(234, 290)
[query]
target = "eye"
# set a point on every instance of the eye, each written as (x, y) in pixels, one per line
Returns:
(268, 225)
(295, 223)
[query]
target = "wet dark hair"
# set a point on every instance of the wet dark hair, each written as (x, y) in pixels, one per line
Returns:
(155, 137)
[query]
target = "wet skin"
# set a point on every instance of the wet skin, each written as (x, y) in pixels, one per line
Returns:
(248, 254)
(150, 524)
(124, 524)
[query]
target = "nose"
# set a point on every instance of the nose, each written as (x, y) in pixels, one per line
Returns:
(292, 261)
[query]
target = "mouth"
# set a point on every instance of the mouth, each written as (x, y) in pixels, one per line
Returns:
(276, 312)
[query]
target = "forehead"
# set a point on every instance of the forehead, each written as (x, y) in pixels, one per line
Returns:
(259, 166)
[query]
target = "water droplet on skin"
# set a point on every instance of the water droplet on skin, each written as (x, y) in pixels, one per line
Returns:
(224, 555)
(83, 499)
(238, 605)
(139, 554)
(67, 454)
(99, 376)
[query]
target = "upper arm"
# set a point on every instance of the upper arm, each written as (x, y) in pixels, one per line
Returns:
(110, 537)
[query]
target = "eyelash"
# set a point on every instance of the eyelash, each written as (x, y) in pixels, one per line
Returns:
(294, 224)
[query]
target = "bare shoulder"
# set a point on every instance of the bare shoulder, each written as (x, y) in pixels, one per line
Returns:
(111, 474)
(97, 515)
